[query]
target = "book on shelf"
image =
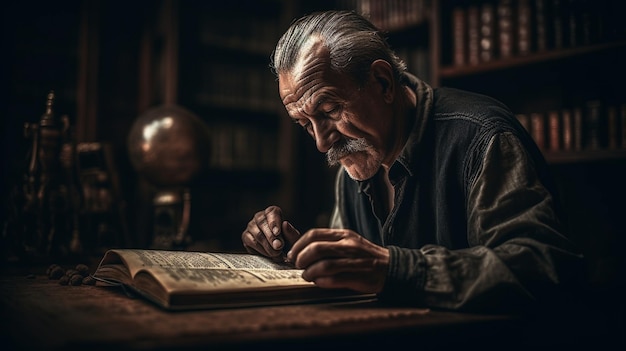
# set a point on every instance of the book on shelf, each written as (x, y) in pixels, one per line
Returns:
(481, 31)
(487, 32)
(554, 131)
(391, 14)
(458, 36)
(591, 22)
(505, 28)
(523, 27)
(537, 129)
(541, 26)
(232, 147)
(473, 35)
(572, 22)
(558, 24)
(577, 120)
(567, 123)
(184, 280)
(616, 126)
(593, 126)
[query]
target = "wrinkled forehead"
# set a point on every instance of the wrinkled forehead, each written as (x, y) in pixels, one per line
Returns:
(310, 70)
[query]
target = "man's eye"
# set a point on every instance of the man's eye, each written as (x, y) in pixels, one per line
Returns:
(333, 112)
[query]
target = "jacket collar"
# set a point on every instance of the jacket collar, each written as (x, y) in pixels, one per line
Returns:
(406, 163)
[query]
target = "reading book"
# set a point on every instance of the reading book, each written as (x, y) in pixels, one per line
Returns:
(178, 280)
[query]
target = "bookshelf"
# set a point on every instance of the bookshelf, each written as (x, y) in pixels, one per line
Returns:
(550, 59)
(558, 64)
(224, 77)
(406, 26)
(109, 66)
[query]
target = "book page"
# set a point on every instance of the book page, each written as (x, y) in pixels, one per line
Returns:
(137, 259)
(201, 279)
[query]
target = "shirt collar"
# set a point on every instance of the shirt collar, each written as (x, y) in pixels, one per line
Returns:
(406, 163)
(407, 160)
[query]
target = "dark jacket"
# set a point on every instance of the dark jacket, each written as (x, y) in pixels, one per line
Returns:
(475, 225)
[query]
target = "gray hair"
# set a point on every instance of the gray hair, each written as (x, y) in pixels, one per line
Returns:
(353, 42)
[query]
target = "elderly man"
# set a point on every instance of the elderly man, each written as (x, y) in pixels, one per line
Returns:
(442, 198)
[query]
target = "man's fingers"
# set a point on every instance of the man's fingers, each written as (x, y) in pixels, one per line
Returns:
(268, 234)
(254, 238)
(290, 233)
(361, 274)
(261, 225)
(274, 217)
(253, 244)
(263, 229)
(313, 236)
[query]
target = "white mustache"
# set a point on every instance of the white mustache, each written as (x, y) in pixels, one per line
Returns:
(345, 147)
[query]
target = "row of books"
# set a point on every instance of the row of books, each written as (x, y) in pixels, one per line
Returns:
(391, 14)
(594, 126)
(242, 86)
(246, 31)
(498, 29)
(238, 146)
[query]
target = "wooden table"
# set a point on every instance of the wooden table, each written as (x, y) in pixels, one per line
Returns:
(39, 313)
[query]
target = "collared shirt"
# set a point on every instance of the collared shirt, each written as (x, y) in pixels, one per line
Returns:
(475, 223)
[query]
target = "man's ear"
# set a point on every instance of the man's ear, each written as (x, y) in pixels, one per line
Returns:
(382, 74)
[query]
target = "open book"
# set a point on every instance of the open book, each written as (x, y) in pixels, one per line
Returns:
(178, 280)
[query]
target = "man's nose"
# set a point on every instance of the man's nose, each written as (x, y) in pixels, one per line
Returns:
(325, 135)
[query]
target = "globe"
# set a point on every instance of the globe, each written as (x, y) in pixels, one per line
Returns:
(168, 145)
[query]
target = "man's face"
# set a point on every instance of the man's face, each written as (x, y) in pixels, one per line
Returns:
(347, 123)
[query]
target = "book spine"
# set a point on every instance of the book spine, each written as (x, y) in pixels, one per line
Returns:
(554, 131)
(592, 120)
(230, 147)
(505, 28)
(572, 22)
(558, 34)
(473, 35)
(577, 128)
(458, 36)
(567, 128)
(523, 27)
(589, 22)
(541, 35)
(537, 129)
(487, 32)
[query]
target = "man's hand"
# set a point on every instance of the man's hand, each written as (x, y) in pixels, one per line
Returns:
(340, 258)
(268, 234)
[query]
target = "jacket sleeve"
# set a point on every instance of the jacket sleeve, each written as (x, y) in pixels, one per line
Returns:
(517, 255)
